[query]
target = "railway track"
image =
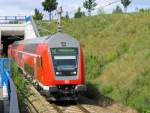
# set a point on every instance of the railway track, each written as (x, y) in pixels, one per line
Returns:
(38, 104)
(71, 109)
(84, 110)
(57, 108)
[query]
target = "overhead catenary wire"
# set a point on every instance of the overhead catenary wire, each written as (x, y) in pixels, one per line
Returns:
(108, 3)
(111, 3)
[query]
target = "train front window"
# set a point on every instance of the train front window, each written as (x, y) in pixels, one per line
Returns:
(65, 61)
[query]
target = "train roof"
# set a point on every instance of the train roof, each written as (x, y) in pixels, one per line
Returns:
(54, 40)
(32, 41)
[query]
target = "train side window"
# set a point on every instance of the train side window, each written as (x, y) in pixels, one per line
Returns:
(31, 48)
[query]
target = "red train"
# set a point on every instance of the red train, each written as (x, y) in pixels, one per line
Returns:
(55, 62)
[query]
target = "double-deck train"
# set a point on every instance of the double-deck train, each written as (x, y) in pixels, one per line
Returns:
(55, 62)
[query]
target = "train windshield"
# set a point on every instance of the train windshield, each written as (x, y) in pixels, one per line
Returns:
(65, 61)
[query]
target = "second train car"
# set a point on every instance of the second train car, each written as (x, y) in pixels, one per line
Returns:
(55, 62)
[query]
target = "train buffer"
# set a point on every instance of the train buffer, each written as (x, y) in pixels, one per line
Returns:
(8, 96)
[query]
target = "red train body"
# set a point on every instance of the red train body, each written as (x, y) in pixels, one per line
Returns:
(54, 62)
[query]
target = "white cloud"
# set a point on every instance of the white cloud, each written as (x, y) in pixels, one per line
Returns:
(15, 7)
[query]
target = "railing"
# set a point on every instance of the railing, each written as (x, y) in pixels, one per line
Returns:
(19, 20)
(35, 27)
(13, 19)
(5, 71)
(8, 86)
(29, 18)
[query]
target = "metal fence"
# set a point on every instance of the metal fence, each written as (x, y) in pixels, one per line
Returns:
(14, 19)
(6, 81)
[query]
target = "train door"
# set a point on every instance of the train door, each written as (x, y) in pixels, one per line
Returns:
(39, 69)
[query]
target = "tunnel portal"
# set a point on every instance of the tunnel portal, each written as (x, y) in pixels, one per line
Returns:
(7, 40)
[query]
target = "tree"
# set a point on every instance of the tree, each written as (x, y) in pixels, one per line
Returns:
(117, 10)
(49, 6)
(125, 3)
(37, 15)
(89, 5)
(79, 14)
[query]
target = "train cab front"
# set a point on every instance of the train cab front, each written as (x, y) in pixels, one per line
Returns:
(68, 69)
(67, 59)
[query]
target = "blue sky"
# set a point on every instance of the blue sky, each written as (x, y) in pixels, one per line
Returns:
(26, 7)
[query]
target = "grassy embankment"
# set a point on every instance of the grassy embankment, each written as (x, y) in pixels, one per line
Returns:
(117, 54)
(21, 87)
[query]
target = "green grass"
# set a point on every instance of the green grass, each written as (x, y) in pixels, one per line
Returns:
(116, 52)
(21, 87)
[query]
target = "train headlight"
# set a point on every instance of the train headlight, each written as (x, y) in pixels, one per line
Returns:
(58, 73)
(74, 72)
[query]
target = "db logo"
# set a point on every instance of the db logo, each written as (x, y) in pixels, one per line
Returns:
(67, 81)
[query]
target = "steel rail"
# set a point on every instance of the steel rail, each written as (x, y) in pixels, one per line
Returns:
(56, 108)
(82, 108)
